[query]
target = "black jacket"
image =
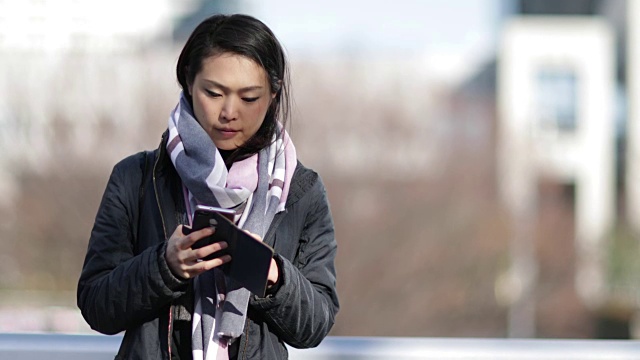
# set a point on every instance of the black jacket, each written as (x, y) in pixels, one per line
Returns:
(126, 285)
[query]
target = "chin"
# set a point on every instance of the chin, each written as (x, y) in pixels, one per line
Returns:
(225, 145)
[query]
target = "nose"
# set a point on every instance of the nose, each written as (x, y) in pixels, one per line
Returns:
(229, 110)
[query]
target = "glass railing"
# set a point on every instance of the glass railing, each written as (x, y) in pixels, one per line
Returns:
(99, 347)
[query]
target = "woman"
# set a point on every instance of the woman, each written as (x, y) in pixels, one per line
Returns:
(225, 146)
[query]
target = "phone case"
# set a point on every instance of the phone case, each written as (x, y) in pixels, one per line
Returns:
(205, 218)
(250, 258)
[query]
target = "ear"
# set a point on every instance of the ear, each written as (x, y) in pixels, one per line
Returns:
(273, 94)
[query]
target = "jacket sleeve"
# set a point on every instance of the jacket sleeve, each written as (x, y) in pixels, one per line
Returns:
(303, 309)
(119, 289)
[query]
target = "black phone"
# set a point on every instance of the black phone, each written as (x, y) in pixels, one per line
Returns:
(203, 217)
(250, 258)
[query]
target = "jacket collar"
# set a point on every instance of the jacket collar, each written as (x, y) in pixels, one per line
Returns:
(164, 161)
(168, 189)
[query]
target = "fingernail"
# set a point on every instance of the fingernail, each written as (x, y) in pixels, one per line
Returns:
(223, 244)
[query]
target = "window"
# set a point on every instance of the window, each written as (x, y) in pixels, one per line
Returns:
(556, 99)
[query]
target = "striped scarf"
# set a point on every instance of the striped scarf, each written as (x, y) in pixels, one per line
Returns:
(259, 184)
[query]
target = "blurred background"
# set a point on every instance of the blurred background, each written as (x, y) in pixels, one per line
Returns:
(482, 157)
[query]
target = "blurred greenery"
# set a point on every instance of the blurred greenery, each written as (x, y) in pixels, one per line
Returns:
(623, 267)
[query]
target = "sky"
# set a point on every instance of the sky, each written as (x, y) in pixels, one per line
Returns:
(466, 25)
(452, 36)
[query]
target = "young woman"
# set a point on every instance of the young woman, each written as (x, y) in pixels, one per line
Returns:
(225, 146)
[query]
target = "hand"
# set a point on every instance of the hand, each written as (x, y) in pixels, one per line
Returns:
(184, 261)
(274, 273)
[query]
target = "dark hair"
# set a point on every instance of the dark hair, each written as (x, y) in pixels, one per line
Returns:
(247, 36)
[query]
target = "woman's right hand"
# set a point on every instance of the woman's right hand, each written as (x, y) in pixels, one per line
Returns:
(184, 261)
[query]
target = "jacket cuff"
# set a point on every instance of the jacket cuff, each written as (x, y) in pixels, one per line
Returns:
(173, 282)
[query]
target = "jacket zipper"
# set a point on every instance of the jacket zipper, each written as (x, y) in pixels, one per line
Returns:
(155, 189)
(170, 330)
(164, 230)
(242, 353)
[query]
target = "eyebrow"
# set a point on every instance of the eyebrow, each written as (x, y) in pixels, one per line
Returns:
(224, 88)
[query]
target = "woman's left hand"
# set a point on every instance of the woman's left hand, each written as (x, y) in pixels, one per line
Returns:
(274, 273)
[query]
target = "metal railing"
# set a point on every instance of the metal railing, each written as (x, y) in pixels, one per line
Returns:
(99, 347)
(469, 349)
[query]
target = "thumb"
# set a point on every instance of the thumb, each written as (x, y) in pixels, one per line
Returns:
(254, 235)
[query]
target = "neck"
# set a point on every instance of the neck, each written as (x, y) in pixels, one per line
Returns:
(225, 156)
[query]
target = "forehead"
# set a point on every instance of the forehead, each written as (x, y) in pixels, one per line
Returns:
(233, 71)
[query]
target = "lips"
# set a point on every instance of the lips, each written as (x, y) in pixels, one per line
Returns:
(227, 133)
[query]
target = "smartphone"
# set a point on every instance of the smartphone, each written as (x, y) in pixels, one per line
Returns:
(202, 213)
(208, 216)
(250, 258)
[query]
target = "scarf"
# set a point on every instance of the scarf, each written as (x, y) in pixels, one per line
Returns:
(259, 183)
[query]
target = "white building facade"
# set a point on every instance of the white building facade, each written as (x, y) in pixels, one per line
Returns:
(556, 81)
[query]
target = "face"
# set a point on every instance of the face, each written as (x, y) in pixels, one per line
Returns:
(231, 96)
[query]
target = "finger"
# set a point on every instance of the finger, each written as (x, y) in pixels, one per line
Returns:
(208, 250)
(187, 241)
(213, 263)
(190, 271)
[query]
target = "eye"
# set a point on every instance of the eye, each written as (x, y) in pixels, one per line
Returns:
(250, 100)
(211, 93)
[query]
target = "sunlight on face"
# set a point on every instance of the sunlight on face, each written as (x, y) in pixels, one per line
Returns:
(231, 96)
